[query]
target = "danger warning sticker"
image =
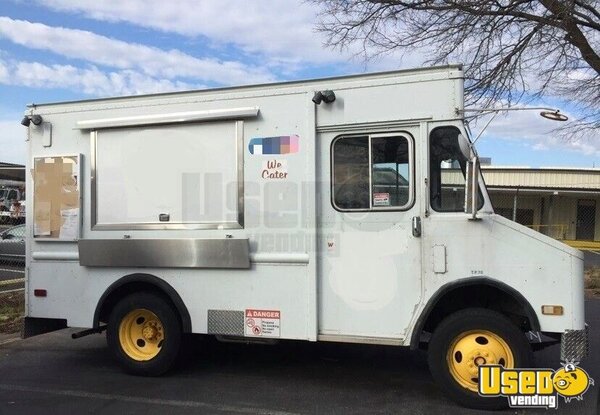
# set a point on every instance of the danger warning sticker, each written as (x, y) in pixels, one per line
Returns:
(262, 323)
(381, 199)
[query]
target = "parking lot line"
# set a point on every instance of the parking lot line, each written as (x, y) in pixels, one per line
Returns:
(11, 340)
(13, 281)
(134, 399)
(11, 290)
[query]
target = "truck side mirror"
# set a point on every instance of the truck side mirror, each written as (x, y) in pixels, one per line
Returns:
(465, 146)
(472, 187)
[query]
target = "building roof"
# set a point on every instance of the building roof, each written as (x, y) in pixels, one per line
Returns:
(547, 178)
(4, 164)
(534, 178)
(11, 171)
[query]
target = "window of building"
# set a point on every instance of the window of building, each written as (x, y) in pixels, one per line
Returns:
(372, 172)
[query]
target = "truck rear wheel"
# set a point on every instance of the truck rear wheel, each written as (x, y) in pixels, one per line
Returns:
(144, 334)
(467, 339)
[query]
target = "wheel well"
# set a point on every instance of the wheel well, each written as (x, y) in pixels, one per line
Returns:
(485, 294)
(136, 283)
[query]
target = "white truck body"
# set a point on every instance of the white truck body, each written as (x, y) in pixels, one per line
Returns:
(246, 231)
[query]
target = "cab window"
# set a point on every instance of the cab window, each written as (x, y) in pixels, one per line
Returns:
(447, 166)
(372, 172)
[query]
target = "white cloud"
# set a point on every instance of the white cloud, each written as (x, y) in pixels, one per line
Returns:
(91, 81)
(587, 145)
(4, 75)
(12, 140)
(540, 134)
(279, 29)
(280, 33)
(101, 50)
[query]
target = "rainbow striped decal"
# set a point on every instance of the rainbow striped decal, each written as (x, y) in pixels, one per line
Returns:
(285, 144)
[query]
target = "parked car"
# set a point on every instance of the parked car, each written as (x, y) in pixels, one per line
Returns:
(12, 245)
(12, 205)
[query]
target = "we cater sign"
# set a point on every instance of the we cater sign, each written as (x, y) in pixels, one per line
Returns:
(274, 169)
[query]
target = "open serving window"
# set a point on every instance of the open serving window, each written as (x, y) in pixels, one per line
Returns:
(174, 176)
(57, 198)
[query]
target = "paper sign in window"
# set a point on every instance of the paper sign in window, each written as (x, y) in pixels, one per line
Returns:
(56, 197)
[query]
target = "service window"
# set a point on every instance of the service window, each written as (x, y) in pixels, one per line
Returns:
(175, 176)
(372, 172)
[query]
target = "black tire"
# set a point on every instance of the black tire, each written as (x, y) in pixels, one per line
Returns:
(463, 321)
(170, 341)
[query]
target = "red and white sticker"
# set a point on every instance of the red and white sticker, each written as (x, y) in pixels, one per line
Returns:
(262, 323)
(381, 199)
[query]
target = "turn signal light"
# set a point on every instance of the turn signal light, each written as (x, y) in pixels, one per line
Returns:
(552, 310)
(40, 293)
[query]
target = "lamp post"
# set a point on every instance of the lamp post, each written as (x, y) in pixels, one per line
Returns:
(548, 113)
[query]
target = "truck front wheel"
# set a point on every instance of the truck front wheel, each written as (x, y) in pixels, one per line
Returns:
(144, 334)
(470, 338)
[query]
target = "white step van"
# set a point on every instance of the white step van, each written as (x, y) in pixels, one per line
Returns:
(319, 210)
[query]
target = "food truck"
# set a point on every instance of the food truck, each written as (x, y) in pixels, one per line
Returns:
(320, 210)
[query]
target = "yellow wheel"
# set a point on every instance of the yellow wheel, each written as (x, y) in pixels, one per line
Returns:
(467, 339)
(144, 333)
(474, 348)
(141, 334)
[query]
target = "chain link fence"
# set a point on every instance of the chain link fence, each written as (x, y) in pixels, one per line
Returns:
(12, 276)
(571, 217)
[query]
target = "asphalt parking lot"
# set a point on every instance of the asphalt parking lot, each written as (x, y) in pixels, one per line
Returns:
(54, 374)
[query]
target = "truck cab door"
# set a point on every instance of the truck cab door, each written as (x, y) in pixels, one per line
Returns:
(453, 246)
(370, 265)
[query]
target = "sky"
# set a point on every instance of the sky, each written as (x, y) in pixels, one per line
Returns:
(59, 50)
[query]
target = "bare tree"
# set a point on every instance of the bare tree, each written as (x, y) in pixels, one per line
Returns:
(513, 50)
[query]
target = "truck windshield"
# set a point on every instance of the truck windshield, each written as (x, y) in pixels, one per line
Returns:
(447, 167)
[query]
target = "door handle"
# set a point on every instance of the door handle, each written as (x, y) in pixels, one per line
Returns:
(416, 226)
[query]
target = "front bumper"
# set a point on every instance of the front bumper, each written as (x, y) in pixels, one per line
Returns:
(574, 345)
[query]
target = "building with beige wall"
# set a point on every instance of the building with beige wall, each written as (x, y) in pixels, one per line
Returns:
(563, 203)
